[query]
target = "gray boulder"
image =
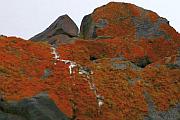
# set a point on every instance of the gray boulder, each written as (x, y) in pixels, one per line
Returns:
(88, 27)
(60, 31)
(39, 107)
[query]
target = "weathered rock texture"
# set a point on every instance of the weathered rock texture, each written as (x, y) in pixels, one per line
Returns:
(39, 107)
(124, 20)
(134, 58)
(61, 31)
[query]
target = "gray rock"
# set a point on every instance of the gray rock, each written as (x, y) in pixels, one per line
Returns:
(47, 73)
(147, 29)
(133, 81)
(40, 107)
(171, 114)
(123, 65)
(120, 66)
(61, 30)
(177, 62)
(121, 58)
(88, 27)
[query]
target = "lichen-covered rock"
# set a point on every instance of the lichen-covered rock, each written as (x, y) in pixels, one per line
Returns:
(125, 20)
(119, 64)
(39, 107)
(136, 78)
(172, 61)
(153, 114)
(60, 31)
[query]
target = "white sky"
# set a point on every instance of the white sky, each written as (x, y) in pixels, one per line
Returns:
(26, 18)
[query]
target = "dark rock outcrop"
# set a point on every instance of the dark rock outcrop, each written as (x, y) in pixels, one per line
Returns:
(40, 107)
(88, 27)
(142, 62)
(61, 31)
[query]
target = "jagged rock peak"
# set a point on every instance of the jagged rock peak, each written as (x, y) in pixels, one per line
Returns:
(60, 31)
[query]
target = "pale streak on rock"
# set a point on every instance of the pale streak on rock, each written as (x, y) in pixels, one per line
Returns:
(82, 71)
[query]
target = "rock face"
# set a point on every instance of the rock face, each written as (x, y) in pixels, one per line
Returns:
(61, 31)
(124, 20)
(153, 114)
(40, 107)
(134, 55)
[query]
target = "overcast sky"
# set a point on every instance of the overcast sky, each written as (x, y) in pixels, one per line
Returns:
(25, 18)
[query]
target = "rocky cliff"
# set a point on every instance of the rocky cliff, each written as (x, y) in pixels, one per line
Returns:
(124, 64)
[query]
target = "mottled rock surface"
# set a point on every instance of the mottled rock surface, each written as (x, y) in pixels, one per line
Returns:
(124, 20)
(40, 107)
(172, 113)
(131, 56)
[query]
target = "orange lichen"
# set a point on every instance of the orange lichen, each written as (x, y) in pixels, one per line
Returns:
(24, 64)
(119, 20)
(170, 31)
(153, 16)
(136, 11)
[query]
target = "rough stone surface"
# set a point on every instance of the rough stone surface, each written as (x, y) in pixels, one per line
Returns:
(145, 28)
(40, 107)
(171, 114)
(109, 66)
(58, 32)
(127, 20)
(124, 65)
(87, 28)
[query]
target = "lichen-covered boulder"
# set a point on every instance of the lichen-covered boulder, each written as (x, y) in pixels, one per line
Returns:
(126, 20)
(129, 77)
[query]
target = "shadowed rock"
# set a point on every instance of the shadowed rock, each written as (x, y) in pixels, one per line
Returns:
(61, 31)
(40, 107)
(88, 27)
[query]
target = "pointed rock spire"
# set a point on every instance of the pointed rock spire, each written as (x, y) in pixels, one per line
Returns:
(60, 31)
